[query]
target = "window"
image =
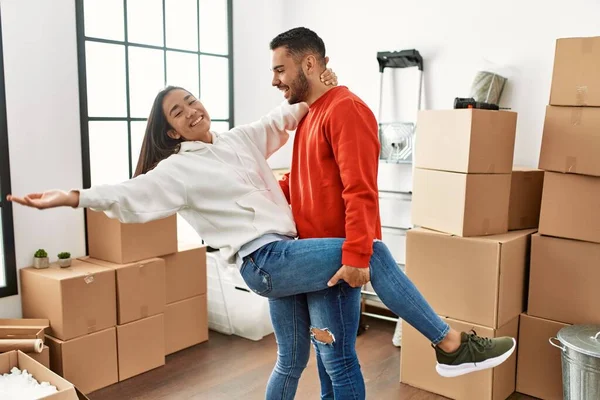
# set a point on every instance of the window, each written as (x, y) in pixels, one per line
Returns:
(8, 269)
(128, 51)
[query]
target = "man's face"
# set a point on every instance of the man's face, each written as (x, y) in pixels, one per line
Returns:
(288, 76)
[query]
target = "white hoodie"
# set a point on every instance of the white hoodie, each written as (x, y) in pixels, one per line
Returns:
(225, 190)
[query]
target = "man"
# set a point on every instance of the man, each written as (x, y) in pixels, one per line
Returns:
(332, 189)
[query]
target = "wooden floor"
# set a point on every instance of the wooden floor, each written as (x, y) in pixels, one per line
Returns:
(230, 367)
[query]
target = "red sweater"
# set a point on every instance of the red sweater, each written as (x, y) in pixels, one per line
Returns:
(332, 187)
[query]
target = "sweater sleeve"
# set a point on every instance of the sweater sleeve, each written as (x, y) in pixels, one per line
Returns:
(284, 183)
(154, 195)
(269, 133)
(353, 134)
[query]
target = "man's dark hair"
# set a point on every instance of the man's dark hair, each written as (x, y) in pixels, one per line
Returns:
(299, 42)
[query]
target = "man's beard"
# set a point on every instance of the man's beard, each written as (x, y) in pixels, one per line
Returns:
(299, 88)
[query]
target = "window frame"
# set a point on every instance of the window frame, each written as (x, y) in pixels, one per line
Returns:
(8, 233)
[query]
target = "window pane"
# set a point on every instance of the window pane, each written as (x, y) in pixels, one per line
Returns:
(219, 126)
(214, 86)
(2, 265)
(182, 24)
(104, 19)
(105, 69)
(182, 70)
(145, 22)
(213, 26)
(138, 128)
(109, 161)
(146, 79)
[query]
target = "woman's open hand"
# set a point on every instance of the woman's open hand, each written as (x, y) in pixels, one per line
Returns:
(48, 199)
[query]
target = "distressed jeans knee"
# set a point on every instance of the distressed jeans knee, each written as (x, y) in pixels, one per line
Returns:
(322, 336)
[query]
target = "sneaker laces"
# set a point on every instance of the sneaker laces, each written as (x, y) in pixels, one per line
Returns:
(477, 344)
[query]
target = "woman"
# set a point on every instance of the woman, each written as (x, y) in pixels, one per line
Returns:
(222, 185)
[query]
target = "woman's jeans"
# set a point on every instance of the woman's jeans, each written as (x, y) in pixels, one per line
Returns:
(293, 274)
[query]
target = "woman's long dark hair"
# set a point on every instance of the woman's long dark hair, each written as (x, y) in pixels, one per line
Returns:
(157, 144)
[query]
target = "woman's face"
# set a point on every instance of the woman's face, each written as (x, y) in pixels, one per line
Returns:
(187, 116)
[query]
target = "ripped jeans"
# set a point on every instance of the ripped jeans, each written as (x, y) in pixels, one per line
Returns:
(291, 273)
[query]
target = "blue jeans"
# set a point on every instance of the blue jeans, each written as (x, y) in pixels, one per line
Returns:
(294, 267)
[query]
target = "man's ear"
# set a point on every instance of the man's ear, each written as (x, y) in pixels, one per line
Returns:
(173, 135)
(311, 63)
(326, 60)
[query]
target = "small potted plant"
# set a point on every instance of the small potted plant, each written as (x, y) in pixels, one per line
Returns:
(40, 259)
(64, 259)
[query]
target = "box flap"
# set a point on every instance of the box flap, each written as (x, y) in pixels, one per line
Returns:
(25, 322)
(77, 269)
(499, 238)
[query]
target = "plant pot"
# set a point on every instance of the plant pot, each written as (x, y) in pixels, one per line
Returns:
(41, 262)
(64, 262)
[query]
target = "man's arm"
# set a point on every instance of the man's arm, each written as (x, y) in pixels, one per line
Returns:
(353, 134)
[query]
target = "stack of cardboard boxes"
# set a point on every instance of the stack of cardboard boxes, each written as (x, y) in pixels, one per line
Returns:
(109, 314)
(565, 254)
(463, 258)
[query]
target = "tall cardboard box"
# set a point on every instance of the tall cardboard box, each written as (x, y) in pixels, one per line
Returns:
(468, 141)
(525, 198)
(141, 346)
(77, 300)
(20, 360)
(186, 324)
(575, 78)
(89, 362)
(570, 207)
(185, 273)
(461, 204)
(539, 369)
(564, 280)
(441, 266)
(571, 142)
(110, 240)
(140, 288)
(417, 366)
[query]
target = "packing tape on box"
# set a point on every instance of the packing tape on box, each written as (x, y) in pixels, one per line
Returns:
(571, 164)
(25, 345)
(491, 168)
(581, 95)
(576, 115)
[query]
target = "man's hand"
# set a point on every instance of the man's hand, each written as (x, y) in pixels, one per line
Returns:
(355, 277)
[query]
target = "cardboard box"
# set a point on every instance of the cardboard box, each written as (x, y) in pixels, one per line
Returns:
(570, 142)
(468, 141)
(89, 362)
(140, 288)
(575, 78)
(65, 389)
(440, 266)
(570, 207)
(564, 280)
(417, 366)
(141, 346)
(461, 204)
(23, 328)
(77, 300)
(43, 357)
(539, 369)
(186, 324)
(525, 198)
(110, 240)
(186, 273)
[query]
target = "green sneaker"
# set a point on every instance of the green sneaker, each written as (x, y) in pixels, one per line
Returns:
(474, 354)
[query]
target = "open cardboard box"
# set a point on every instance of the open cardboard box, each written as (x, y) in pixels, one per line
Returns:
(65, 389)
(28, 328)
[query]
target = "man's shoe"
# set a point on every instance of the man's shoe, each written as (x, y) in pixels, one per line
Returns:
(474, 354)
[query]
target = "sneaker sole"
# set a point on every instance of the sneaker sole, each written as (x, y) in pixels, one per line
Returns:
(452, 371)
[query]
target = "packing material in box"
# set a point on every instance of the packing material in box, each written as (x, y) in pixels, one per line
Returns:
(539, 369)
(570, 207)
(468, 141)
(525, 198)
(141, 346)
(440, 264)
(20, 360)
(110, 240)
(563, 281)
(571, 142)
(185, 273)
(140, 288)
(77, 300)
(89, 362)
(186, 324)
(417, 366)
(575, 78)
(461, 204)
